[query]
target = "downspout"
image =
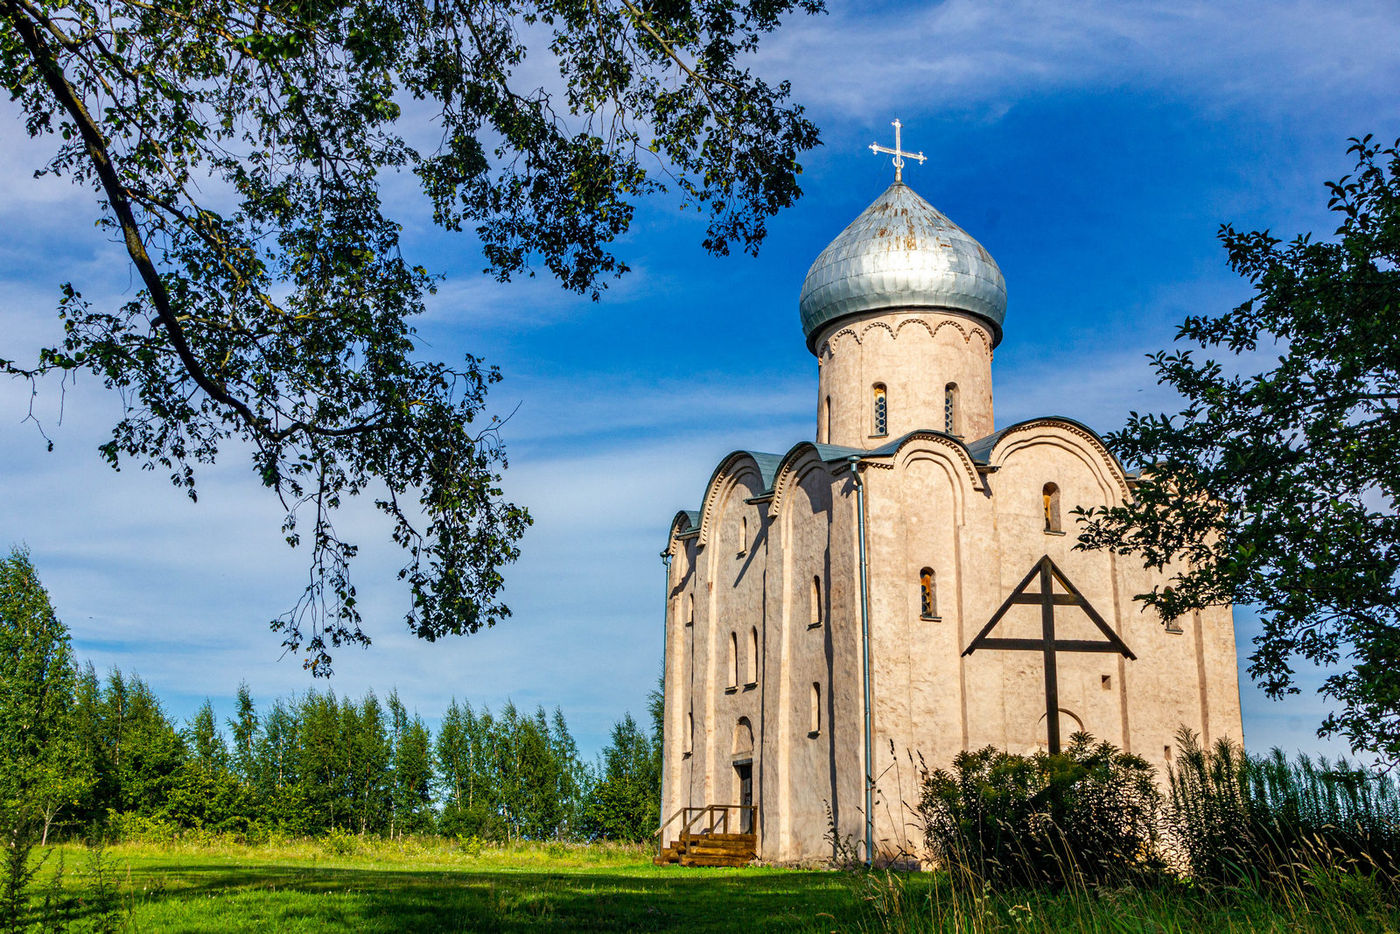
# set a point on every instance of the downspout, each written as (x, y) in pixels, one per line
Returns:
(665, 638)
(665, 627)
(854, 461)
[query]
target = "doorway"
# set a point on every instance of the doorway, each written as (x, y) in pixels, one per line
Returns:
(743, 773)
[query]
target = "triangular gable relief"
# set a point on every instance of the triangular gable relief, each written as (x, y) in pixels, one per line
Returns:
(1049, 643)
(1062, 593)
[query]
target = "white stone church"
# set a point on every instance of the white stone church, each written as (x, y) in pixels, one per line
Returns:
(884, 586)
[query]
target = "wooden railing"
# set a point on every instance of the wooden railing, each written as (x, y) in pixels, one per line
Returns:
(718, 821)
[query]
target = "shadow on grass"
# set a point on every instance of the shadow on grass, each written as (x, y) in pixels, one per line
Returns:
(204, 896)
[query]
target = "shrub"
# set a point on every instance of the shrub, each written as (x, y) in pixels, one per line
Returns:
(477, 821)
(1088, 814)
(337, 842)
(134, 827)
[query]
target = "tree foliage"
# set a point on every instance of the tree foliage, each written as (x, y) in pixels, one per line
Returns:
(626, 800)
(1280, 487)
(36, 677)
(318, 764)
(509, 776)
(238, 149)
(36, 726)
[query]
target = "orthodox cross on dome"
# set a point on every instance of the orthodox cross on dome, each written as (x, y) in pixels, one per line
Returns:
(899, 154)
(1048, 644)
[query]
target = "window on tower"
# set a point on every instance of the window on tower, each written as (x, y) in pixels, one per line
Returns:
(815, 723)
(826, 421)
(733, 660)
(928, 594)
(1050, 502)
(816, 618)
(950, 409)
(753, 657)
(882, 420)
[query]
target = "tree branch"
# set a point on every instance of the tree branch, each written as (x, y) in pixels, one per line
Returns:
(96, 146)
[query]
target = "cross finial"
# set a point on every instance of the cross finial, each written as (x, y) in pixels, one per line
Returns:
(898, 153)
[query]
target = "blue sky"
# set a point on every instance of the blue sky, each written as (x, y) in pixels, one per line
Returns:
(1094, 148)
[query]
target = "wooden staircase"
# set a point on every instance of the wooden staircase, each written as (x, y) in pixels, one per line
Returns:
(711, 844)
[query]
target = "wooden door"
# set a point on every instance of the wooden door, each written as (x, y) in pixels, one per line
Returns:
(744, 773)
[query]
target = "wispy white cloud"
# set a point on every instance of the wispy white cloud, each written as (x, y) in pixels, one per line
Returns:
(978, 58)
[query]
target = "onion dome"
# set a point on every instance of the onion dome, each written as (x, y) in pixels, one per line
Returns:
(902, 252)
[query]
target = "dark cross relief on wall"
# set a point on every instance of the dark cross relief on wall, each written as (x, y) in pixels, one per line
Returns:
(1047, 600)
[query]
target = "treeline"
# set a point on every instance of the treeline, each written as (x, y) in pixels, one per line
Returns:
(319, 763)
(83, 751)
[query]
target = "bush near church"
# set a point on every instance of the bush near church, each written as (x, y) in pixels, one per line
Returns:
(1090, 813)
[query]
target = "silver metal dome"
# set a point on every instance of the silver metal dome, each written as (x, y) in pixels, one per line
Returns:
(902, 252)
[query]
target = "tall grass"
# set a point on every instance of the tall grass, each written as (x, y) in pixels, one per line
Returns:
(901, 903)
(1062, 843)
(1236, 819)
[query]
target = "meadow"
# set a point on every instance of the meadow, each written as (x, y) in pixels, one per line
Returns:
(346, 883)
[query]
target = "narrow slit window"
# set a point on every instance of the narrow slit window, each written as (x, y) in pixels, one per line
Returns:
(816, 602)
(690, 609)
(815, 724)
(882, 420)
(753, 656)
(928, 594)
(1050, 502)
(826, 421)
(950, 409)
(689, 731)
(743, 534)
(733, 659)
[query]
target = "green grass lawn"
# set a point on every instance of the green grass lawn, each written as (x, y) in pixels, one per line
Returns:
(434, 886)
(375, 886)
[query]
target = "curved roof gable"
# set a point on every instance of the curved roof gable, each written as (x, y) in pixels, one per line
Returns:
(772, 467)
(983, 449)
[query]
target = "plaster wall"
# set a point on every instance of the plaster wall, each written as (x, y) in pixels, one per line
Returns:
(917, 508)
(1138, 705)
(1014, 716)
(679, 686)
(736, 551)
(981, 528)
(914, 354)
(800, 772)
(808, 533)
(982, 532)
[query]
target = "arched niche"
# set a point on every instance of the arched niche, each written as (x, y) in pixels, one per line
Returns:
(743, 739)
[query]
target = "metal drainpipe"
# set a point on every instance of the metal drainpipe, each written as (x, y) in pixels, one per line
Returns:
(665, 626)
(665, 638)
(854, 461)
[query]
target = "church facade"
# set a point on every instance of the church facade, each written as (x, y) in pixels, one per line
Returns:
(884, 590)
